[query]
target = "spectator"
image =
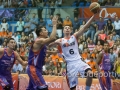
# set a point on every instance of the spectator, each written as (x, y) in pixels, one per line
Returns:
(34, 22)
(87, 59)
(113, 58)
(117, 67)
(1, 4)
(42, 22)
(52, 10)
(110, 26)
(49, 25)
(58, 3)
(51, 67)
(27, 26)
(91, 45)
(17, 67)
(102, 35)
(117, 25)
(20, 25)
(85, 54)
(67, 21)
(117, 4)
(108, 3)
(115, 36)
(98, 47)
(59, 26)
(76, 12)
(22, 38)
(39, 4)
(22, 11)
(58, 69)
(92, 64)
(9, 34)
(115, 49)
(81, 45)
(111, 41)
(15, 37)
(76, 24)
(83, 23)
(54, 58)
(91, 30)
(101, 26)
(4, 25)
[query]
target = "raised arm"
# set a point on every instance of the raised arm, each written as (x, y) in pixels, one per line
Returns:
(17, 57)
(57, 42)
(52, 36)
(84, 28)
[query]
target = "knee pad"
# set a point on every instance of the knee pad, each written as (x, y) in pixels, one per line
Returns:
(7, 87)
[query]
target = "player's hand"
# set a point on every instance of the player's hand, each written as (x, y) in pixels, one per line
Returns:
(54, 20)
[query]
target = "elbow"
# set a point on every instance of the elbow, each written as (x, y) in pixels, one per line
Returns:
(53, 38)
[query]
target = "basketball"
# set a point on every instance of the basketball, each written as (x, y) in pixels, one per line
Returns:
(94, 7)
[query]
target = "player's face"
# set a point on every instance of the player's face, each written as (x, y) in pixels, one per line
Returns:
(44, 32)
(12, 44)
(67, 30)
(106, 46)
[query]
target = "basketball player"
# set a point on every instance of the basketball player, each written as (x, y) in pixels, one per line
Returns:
(103, 66)
(72, 57)
(7, 59)
(37, 55)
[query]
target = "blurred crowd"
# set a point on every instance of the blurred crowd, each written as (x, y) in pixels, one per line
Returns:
(29, 3)
(54, 3)
(79, 3)
(90, 43)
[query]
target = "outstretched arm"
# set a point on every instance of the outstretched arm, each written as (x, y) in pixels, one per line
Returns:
(84, 28)
(52, 37)
(57, 42)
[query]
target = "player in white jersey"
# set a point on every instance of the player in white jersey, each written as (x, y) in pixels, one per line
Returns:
(72, 57)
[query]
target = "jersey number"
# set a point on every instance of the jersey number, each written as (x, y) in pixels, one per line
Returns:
(71, 51)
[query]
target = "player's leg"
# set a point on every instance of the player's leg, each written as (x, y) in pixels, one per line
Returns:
(30, 85)
(89, 78)
(108, 80)
(102, 80)
(4, 83)
(36, 78)
(85, 70)
(72, 78)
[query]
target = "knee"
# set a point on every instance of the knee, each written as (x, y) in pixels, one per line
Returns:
(90, 74)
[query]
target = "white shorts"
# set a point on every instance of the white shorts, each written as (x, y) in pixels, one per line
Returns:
(75, 68)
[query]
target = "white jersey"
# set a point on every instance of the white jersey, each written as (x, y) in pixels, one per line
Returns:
(70, 49)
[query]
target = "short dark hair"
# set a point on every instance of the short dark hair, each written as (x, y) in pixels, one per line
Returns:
(8, 40)
(38, 29)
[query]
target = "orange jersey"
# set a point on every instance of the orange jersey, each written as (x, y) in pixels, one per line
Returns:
(92, 65)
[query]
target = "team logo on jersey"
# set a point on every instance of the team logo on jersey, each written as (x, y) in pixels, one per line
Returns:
(68, 44)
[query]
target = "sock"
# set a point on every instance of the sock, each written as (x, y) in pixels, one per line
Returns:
(87, 88)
